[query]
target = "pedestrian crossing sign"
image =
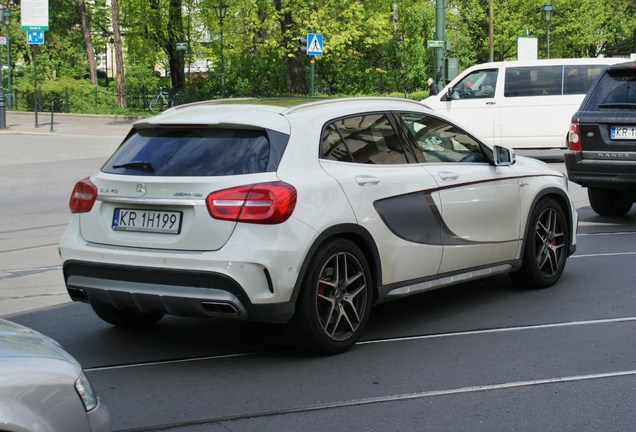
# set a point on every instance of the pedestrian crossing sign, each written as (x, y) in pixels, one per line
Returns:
(314, 44)
(35, 37)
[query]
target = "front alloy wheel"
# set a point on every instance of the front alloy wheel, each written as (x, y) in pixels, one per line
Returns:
(335, 300)
(545, 248)
(549, 243)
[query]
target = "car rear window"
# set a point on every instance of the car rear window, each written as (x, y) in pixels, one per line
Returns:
(615, 90)
(197, 152)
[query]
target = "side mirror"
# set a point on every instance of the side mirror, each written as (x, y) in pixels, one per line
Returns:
(503, 156)
(448, 95)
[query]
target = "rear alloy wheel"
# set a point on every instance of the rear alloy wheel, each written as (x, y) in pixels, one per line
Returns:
(545, 248)
(335, 299)
(125, 319)
(607, 202)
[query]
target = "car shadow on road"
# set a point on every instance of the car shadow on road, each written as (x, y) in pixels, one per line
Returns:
(493, 302)
(587, 215)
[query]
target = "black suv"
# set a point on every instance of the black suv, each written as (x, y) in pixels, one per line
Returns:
(602, 142)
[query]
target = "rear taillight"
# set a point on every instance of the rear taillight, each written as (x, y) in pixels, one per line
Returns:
(83, 196)
(574, 137)
(261, 203)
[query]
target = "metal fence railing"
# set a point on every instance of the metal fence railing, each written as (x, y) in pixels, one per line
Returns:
(95, 99)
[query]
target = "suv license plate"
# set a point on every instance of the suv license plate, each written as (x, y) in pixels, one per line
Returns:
(155, 221)
(623, 132)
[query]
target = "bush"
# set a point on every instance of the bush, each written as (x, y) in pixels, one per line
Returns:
(417, 95)
(65, 95)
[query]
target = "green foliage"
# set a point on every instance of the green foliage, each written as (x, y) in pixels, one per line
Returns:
(65, 95)
(369, 47)
(417, 95)
(140, 77)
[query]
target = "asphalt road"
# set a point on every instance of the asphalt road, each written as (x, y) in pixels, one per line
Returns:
(483, 356)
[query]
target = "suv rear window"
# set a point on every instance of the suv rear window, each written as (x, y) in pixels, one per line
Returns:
(181, 152)
(615, 90)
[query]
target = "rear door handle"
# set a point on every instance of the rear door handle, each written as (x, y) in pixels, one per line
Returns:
(364, 180)
(448, 176)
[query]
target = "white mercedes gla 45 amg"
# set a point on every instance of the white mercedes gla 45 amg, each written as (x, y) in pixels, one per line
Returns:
(306, 215)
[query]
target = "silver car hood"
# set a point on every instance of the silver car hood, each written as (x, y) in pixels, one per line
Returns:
(19, 341)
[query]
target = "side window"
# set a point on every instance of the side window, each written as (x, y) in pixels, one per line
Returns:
(440, 141)
(332, 145)
(478, 84)
(533, 81)
(578, 79)
(367, 139)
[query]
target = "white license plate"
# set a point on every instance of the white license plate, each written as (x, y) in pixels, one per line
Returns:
(623, 132)
(156, 221)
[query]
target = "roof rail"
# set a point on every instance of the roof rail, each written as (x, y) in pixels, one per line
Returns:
(313, 104)
(213, 102)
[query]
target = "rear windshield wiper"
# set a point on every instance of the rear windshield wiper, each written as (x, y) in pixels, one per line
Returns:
(626, 105)
(138, 165)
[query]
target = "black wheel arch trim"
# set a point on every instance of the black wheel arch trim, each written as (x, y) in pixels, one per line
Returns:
(361, 237)
(563, 200)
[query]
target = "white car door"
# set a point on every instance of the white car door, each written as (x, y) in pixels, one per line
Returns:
(478, 202)
(474, 104)
(389, 196)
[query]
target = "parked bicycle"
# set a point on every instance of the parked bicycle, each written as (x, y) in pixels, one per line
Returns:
(164, 99)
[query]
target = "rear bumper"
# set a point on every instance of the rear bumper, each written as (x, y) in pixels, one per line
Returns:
(607, 174)
(167, 291)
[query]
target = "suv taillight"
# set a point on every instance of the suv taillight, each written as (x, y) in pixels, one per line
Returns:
(261, 203)
(83, 196)
(574, 137)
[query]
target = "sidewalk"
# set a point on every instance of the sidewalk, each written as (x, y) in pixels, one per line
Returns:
(68, 124)
(38, 168)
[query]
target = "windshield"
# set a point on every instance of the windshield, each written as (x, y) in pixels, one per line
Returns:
(616, 90)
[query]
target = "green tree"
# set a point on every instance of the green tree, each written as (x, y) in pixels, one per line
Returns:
(370, 46)
(90, 53)
(579, 28)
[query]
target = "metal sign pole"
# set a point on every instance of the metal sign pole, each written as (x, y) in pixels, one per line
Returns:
(3, 114)
(35, 86)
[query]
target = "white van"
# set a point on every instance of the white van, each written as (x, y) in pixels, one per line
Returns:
(520, 104)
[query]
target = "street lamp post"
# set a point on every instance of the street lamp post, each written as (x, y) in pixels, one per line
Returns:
(111, 42)
(221, 10)
(7, 21)
(547, 10)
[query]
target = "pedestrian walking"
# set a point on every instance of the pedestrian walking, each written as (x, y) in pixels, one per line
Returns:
(432, 87)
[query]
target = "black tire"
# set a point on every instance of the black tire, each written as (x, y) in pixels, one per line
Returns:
(176, 99)
(545, 248)
(125, 319)
(608, 202)
(335, 300)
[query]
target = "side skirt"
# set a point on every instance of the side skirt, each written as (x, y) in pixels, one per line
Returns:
(403, 289)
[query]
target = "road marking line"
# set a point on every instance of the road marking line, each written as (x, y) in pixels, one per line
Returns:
(378, 341)
(503, 330)
(604, 255)
(472, 389)
(607, 233)
(378, 400)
